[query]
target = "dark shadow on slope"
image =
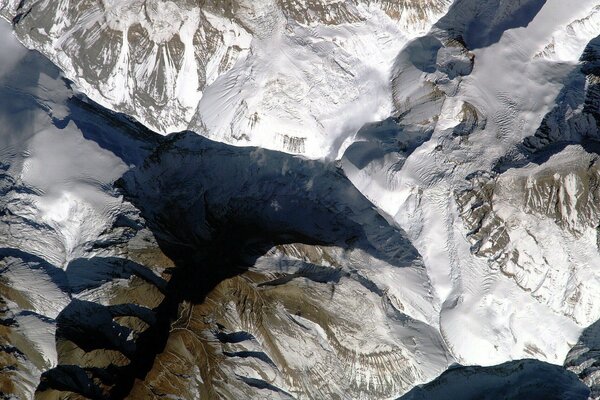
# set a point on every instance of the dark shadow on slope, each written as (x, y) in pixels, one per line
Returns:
(473, 23)
(263, 385)
(195, 193)
(118, 133)
(423, 51)
(214, 210)
(87, 273)
(35, 83)
(375, 140)
(72, 378)
(584, 357)
(312, 272)
(18, 89)
(562, 126)
(14, 258)
(90, 325)
(515, 380)
(482, 23)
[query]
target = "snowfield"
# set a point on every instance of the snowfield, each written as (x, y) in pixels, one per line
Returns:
(366, 196)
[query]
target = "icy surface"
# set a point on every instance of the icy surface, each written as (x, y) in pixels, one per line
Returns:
(486, 316)
(264, 73)
(476, 240)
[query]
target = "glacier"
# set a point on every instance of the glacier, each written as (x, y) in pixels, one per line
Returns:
(367, 200)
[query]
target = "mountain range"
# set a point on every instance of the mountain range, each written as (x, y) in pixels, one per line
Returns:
(345, 199)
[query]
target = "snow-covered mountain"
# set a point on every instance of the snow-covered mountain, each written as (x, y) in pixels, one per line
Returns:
(274, 73)
(503, 217)
(421, 195)
(119, 243)
(523, 379)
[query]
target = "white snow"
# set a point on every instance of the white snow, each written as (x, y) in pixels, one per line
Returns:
(307, 89)
(486, 318)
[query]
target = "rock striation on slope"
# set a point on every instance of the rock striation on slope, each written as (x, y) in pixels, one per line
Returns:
(136, 265)
(242, 72)
(209, 270)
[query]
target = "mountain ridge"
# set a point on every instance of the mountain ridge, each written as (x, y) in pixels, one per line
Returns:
(456, 226)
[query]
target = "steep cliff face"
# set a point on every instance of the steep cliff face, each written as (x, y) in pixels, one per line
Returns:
(458, 225)
(136, 265)
(514, 380)
(489, 165)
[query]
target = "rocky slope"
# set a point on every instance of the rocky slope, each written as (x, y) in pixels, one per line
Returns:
(460, 228)
(136, 265)
(244, 72)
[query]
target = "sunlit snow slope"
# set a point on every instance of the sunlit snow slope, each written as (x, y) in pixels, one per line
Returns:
(137, 265)
(450, 212)
(494, 178)
(273, 73)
